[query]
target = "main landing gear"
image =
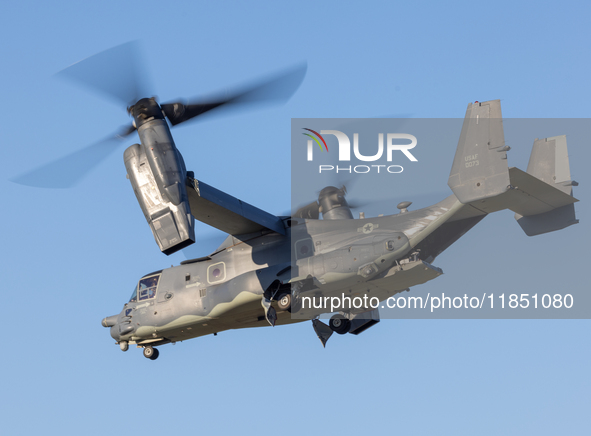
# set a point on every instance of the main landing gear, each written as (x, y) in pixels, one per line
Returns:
(151, 352)
(339, 324)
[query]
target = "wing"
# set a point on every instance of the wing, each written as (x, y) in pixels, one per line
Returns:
(228, 214)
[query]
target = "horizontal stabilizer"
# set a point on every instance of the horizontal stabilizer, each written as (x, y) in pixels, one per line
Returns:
(556, 219)
(533, 196)
(228, 214)
(480, 167)
(528, 196)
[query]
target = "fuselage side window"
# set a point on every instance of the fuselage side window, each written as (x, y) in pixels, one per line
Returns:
(216, 272)
(304, 248)
(147, 287)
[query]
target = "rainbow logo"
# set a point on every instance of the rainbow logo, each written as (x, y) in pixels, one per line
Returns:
(317, 142)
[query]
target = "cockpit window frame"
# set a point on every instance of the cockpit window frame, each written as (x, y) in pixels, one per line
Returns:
(150, 295)
(133, 298)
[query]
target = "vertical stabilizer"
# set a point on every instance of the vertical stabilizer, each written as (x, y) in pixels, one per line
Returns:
(549, 163)
(480, 167)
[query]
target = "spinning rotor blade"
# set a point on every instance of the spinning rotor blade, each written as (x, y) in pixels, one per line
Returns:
(356, 204)
(116, 72)
(69, 170)
(276, 89)
(309, 211)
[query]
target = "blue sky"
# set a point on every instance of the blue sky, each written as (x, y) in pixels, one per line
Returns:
(72, 256)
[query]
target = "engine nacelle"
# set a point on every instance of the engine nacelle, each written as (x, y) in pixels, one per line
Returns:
(162, 197)
(333, 204)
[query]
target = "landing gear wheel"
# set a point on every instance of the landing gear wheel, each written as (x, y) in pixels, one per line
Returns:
(151, 352)
(284, 302)
(339, 324)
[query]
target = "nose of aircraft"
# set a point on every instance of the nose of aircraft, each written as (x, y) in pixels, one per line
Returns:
(110, 321)
(115, 333)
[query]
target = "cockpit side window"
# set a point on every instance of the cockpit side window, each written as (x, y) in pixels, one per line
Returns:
(147, 287)
(134, 295)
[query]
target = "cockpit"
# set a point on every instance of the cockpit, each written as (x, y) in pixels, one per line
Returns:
(145, 289)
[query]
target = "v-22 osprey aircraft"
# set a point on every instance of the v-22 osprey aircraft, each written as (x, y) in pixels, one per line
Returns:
(268, 264)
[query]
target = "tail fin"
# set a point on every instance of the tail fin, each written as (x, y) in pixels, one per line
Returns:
(480, 167)
(541, 197)
(549, 163)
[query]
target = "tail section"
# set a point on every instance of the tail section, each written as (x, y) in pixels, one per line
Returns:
(541, 197)
(549, 163)
(480, 166)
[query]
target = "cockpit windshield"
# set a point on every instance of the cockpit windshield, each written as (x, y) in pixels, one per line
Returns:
(147, 288)
(134, 295)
